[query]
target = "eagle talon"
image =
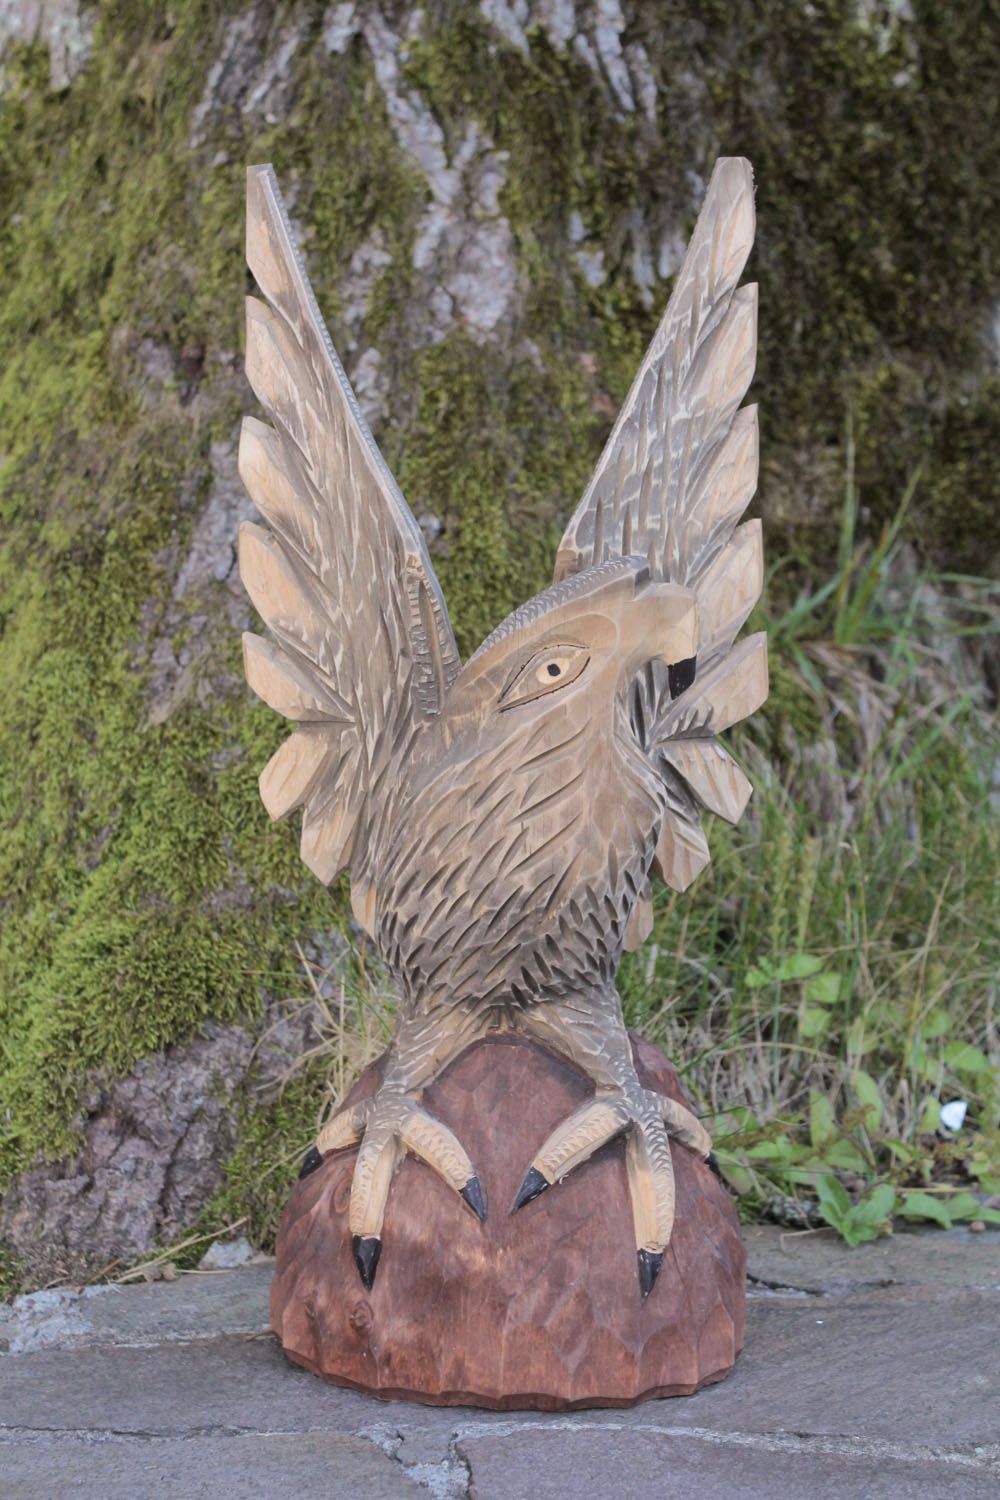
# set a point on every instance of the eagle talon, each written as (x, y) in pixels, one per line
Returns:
(385, 1126)
(475, 1198)
(367, 1249)
(532, 1187)
(650, 1262)
(621, 1106)
(310, 1162)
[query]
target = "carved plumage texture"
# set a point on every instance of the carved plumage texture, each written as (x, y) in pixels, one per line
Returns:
(676, 474)
(363, 649)
(500, 820)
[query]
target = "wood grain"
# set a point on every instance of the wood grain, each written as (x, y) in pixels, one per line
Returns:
(536, 1309)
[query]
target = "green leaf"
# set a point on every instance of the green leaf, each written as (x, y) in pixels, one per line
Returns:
(964, 1206)
(798, 966)
(857, 1234)
(924, 1206)
(965, 1058)
(869, 1096)
(757, 978)
(901, 1151)
(792, 966)
(821, 1119)
(833, 1196)
(930, 1116)
(876, 1209)
(813, 1021)
(823, 989)
(845, 1155)
(936, 1024)
(739, 1178)
(780, 1150)
(804, 1176)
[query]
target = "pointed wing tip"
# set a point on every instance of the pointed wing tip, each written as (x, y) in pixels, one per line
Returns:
(729, 202)
(735, 164)
(261, 182)
(324, 848)
(255, 558)
(734, 172)
(756, 645)
(680, 878)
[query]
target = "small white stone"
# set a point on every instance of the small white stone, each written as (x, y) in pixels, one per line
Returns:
(223, 1255)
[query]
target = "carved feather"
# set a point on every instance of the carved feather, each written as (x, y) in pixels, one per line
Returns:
(667, 472)
(363, 648)
(675, 476)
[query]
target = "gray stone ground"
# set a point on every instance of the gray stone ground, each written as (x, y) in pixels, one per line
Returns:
(871, 1374)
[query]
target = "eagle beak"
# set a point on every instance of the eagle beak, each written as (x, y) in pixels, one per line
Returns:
(661, 624)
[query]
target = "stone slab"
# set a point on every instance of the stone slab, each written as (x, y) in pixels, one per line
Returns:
(818, 1262)
(202, 1304)
(596, 1466)
(251, 1466)
(172, 1390)
(919, 1366)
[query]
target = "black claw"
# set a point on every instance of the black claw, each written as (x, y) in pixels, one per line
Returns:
(366, 1253)
(475, 1198)
(310, 1162)
(681, 675)
(650, 1262)
(534, 1184)
(714, 1165)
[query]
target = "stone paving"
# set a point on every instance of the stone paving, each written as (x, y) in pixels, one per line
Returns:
(871, 1374)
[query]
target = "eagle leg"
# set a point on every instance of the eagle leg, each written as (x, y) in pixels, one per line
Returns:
(594, 1038)
(391, 1122)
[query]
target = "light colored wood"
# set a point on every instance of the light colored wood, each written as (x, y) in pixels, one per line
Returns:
(500, 819)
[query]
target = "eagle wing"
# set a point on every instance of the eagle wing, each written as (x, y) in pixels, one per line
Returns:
(675, 476)
(361, 650)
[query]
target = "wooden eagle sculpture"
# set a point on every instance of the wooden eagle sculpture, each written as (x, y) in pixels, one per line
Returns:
(501, 818)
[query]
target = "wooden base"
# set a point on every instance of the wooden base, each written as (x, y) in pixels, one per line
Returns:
(535, 1309)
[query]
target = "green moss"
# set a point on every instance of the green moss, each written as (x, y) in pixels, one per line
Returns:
(118, 833)
(878, 251)
(488, 452)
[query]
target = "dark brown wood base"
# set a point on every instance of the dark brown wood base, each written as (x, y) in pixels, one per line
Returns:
(540, 1308)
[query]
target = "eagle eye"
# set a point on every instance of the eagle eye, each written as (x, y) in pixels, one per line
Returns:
(549, 669)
